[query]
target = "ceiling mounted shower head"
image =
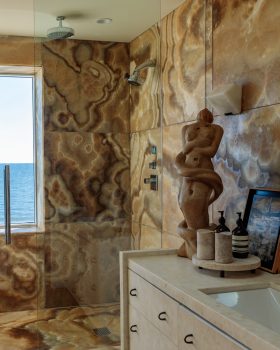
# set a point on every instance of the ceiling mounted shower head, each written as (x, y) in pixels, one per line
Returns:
(60, 32)
(134, 78)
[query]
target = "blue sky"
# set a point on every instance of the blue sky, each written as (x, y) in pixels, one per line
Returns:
(16, 120)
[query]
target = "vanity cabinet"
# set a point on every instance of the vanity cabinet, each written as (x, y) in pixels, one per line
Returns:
(195, 333)
(159, 309)
(144, 335)
(157, 321)
(162, 307)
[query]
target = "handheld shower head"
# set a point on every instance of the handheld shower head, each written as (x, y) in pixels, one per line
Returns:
(134, 78)
(60, 32)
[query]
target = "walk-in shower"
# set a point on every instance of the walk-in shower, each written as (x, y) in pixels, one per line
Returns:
(60, 285)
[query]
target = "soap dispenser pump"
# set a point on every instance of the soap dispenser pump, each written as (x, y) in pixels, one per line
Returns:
(240, 247)
(222, 221)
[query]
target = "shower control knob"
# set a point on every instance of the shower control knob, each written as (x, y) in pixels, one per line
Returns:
(153, 165)
(153, 149)
(153, 181)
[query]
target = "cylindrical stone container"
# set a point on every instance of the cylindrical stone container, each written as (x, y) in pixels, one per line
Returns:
(205, 244)
(223, 247)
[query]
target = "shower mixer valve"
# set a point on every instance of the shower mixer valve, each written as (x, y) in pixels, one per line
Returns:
(153, 165)
(153, 181)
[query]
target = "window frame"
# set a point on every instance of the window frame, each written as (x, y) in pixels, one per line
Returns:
(37, 101)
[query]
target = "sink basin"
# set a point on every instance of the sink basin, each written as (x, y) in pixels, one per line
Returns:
(260, 305)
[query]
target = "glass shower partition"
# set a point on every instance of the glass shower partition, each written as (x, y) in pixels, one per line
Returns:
(87, 155)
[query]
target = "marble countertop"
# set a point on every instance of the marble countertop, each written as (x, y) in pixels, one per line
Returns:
(184, 282)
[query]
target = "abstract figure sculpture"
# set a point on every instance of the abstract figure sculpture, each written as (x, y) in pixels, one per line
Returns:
(201, 185)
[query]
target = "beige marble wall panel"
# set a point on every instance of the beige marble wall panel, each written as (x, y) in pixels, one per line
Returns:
(85, 89)
(18, 51)
(100, 283)
(208, 50)
(183, 62)
(86, 176)
(145, 237)
(82, 259)
(146, 204)
(21, 273)
(145, 99)
(246, 48)
(172, 241)
(248, 157)
(172, 145)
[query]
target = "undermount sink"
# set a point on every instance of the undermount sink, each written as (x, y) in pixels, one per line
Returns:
(261, 305)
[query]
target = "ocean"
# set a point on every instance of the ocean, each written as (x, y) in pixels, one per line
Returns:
(22, 193)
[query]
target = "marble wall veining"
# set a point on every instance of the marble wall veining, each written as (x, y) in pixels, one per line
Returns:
(145, 122)
(183, 62)
(205, 44)
(87, 177)
(145, 100)
(248, 157)
(98, 133)
(82, 82)
(81, 260)
(246, 49)
(22, 285)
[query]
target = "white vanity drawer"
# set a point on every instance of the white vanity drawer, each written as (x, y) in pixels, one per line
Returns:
(157, 307)
(195, 333)
(144, 336)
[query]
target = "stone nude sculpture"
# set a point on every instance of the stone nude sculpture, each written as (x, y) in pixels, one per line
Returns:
(201, 185)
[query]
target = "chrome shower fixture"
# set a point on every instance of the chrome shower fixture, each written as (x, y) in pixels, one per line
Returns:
(134, 78)
(60, 32)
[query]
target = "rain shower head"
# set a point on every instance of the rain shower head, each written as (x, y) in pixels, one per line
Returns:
(60, 32)
(134, 78)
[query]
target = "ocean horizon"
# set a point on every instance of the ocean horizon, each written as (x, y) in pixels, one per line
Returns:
(22, 193)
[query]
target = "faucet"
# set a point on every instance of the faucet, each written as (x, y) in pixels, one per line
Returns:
(7, 204)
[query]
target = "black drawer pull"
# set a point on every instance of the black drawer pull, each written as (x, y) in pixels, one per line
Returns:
(162, 316)
(133, 328)
(186, 339)
(133, 292)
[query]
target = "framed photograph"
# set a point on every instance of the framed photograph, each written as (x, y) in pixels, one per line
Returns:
(262, 219)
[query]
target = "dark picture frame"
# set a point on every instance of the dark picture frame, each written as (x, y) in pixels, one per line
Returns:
(262, 220)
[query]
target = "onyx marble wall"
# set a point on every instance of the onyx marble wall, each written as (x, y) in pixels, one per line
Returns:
(18, 51)
(205, 44)
(145, 123)
(248, 156)
(87, 177)
(21, 273)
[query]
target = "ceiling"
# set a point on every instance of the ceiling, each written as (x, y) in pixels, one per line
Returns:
(130, 17)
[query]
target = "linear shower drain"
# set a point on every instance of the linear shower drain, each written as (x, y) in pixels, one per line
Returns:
(101, 332)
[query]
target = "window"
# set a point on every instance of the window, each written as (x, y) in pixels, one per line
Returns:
(20, 132)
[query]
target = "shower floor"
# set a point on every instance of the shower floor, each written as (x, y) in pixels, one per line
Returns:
(61, 329)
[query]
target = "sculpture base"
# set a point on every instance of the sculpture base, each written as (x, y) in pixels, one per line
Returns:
(188, 248)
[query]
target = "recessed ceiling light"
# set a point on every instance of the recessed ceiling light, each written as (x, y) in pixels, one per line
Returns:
(104, 20)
